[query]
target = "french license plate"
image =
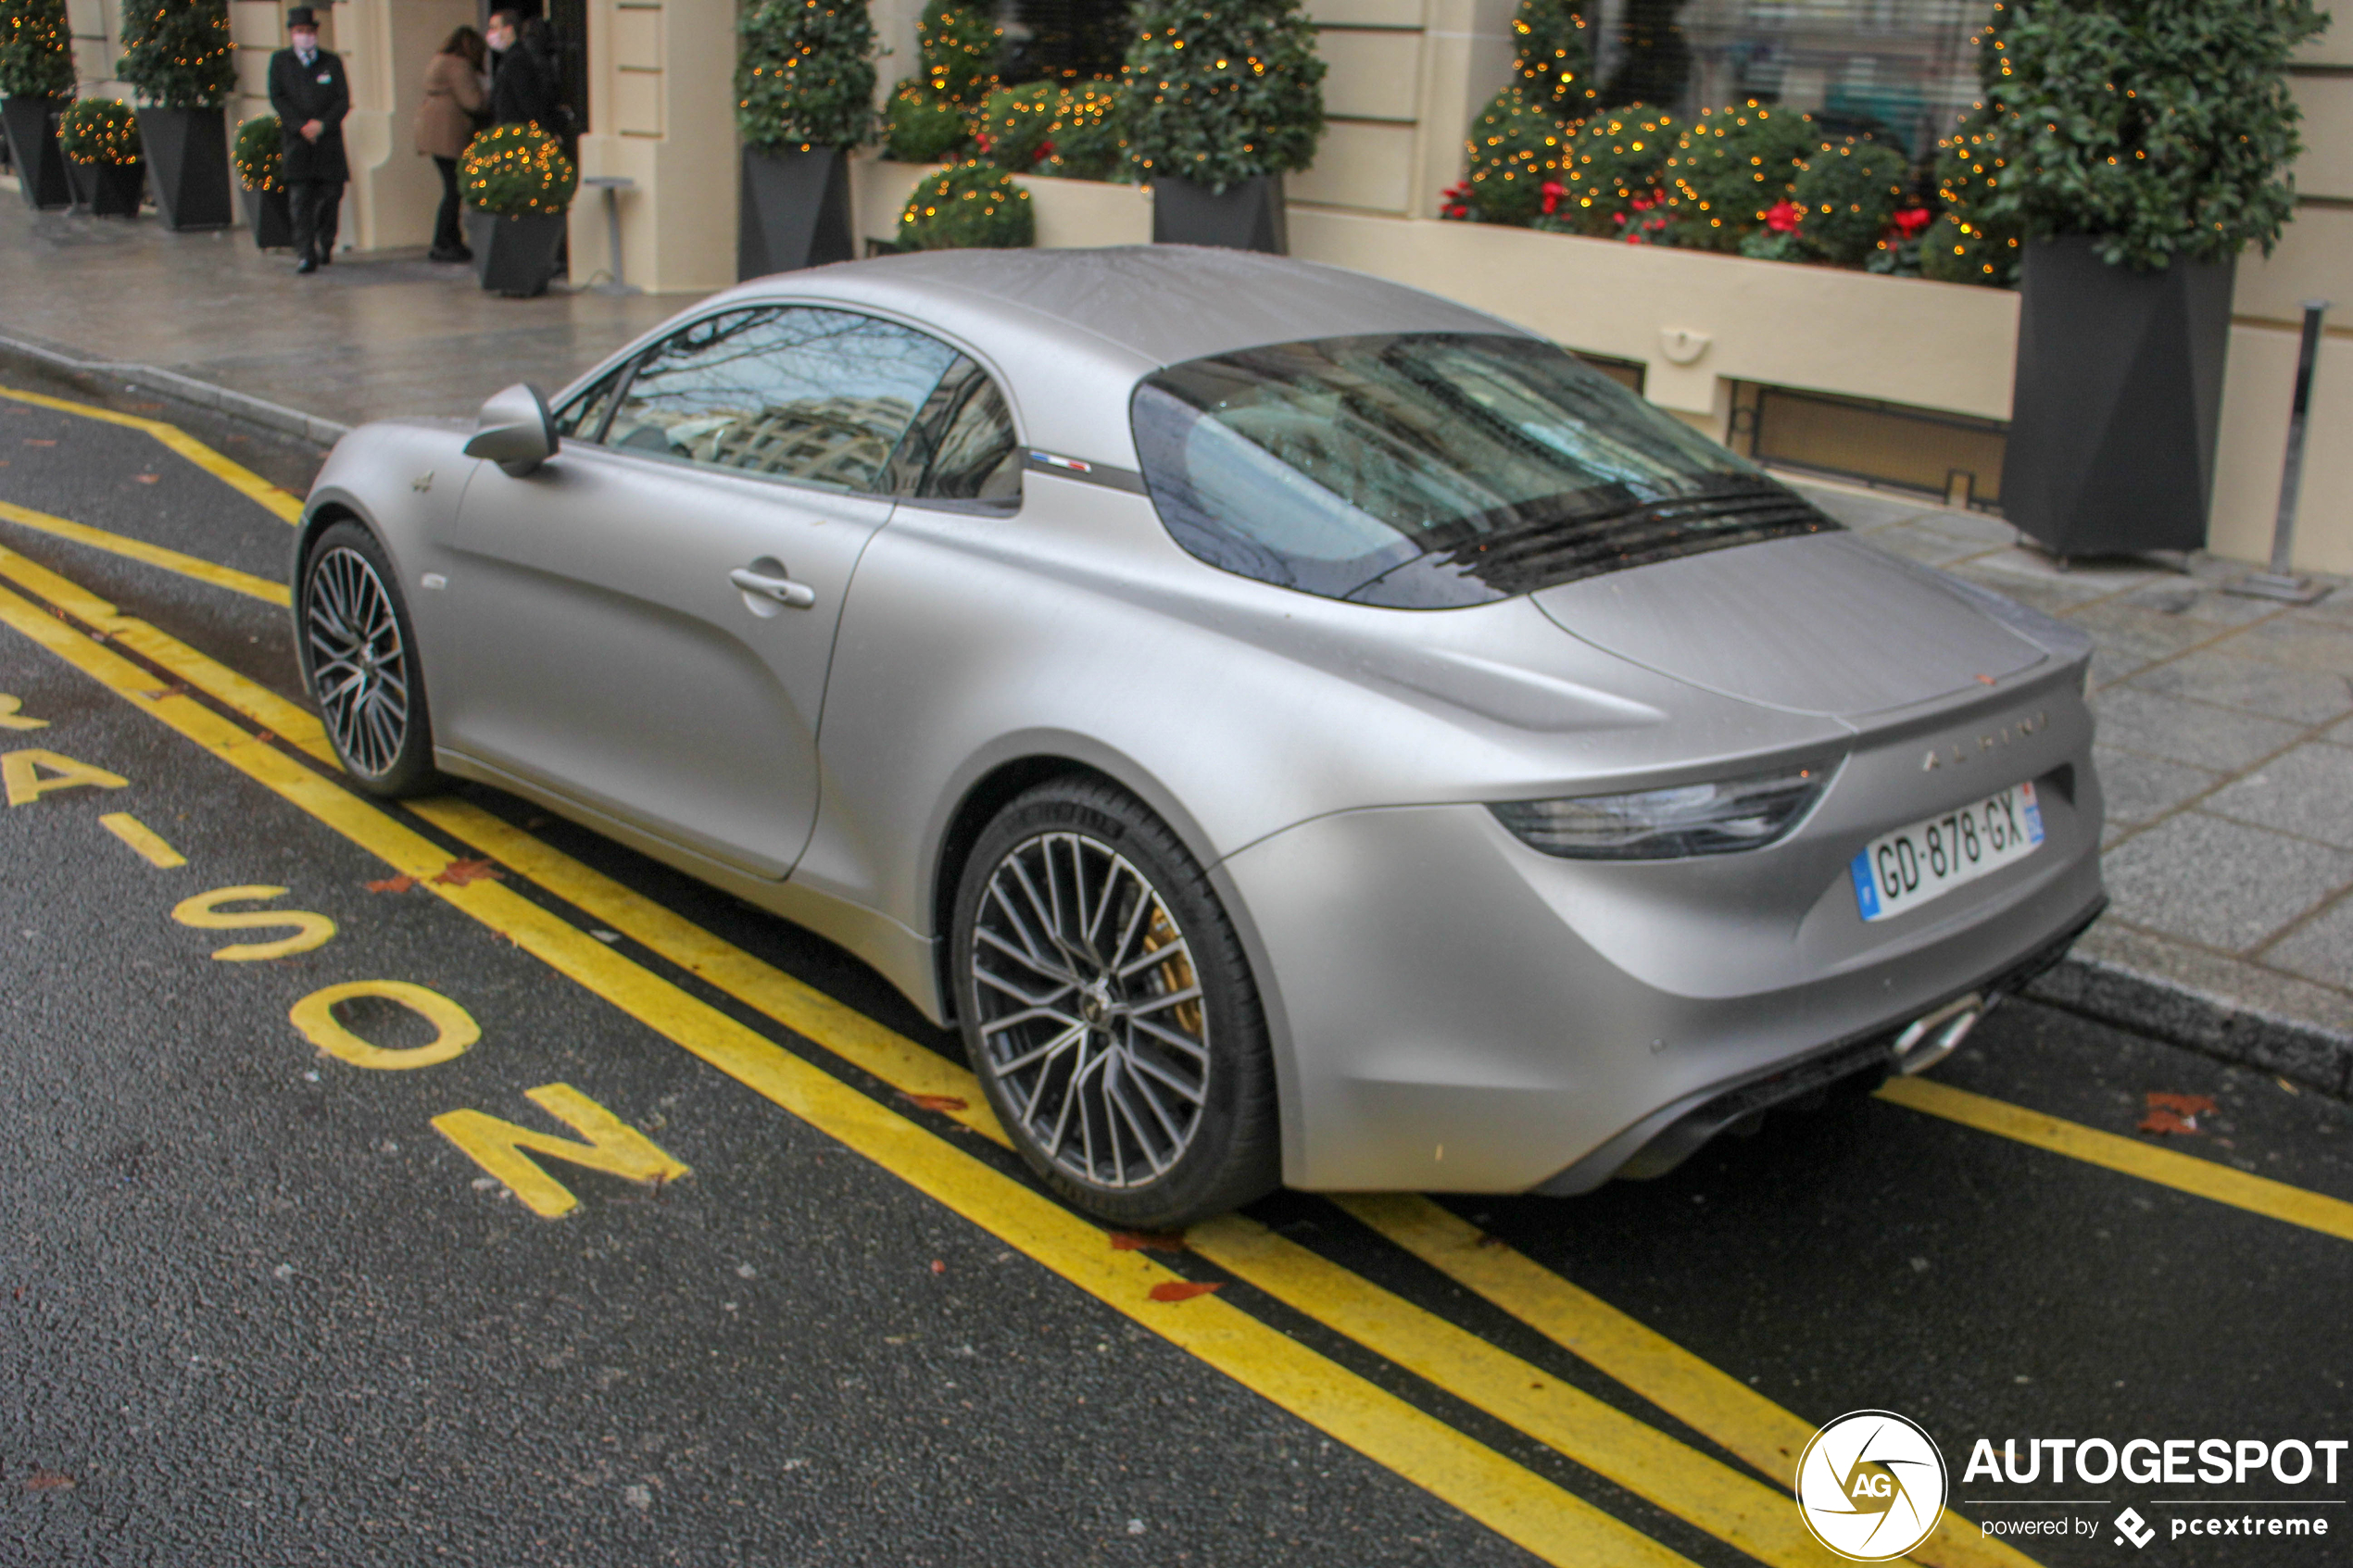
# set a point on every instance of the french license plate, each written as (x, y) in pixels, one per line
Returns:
(1905, 868)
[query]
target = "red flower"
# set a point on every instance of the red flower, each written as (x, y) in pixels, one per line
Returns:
(1910, 221)
(1554, 190)
(1783, 215)
(1045, 150)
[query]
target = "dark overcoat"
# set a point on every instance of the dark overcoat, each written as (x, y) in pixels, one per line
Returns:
(299, 94)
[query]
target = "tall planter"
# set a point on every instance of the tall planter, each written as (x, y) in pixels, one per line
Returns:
(794, 212)
(188, 160)
(514, 256)
(1247, 215)
(270, 215)
(32, 143)
(2117, 402)
(107, 190)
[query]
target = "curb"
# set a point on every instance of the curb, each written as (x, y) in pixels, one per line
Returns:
(187, 389)
(2201, 1021)
(2107, 992)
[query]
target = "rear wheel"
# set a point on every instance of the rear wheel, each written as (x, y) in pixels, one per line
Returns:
(359, 662)
(1109, 1011)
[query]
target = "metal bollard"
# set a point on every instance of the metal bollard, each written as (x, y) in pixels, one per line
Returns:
(2281, 582)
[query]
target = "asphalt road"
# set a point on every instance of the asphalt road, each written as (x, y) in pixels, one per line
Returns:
(264, 1300)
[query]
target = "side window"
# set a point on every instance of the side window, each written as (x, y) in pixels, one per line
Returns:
(583, 419)
(818, 395)
(962, 446)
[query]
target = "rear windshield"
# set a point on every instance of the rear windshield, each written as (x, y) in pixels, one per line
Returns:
(1425, 470)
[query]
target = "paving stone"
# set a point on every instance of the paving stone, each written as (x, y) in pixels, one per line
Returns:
(2305, 643)
(2196, 732)
(2141, 788)
(2304, 696)
(2196, 601)
(2054, 597)
(2320, 949)
(2307, 792)
(2220, 883)
(1914, 543)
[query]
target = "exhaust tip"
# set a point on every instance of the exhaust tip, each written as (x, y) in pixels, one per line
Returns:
(1929, 1040)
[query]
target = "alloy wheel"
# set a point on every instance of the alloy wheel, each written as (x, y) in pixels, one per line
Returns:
(1091, 1010)
(359, 663)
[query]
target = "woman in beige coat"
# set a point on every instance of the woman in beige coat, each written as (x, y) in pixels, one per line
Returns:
(446, 122)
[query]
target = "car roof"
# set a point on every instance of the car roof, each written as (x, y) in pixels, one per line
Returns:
(1074, 330)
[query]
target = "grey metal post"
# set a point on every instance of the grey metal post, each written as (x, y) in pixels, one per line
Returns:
(612, 186)
(2281, 582)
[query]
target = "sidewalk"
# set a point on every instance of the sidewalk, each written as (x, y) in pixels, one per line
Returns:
(2226, 723)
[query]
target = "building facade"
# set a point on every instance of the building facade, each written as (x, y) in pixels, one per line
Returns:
(1899, 380)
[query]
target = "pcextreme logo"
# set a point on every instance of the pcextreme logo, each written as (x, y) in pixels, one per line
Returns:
(1871, 1485)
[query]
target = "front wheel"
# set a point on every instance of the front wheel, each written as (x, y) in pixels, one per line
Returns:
(359, 662)
(1109, 1011)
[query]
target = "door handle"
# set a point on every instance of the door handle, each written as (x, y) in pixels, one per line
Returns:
(784, 590)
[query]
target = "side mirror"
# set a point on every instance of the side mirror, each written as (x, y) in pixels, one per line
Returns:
(514, 430)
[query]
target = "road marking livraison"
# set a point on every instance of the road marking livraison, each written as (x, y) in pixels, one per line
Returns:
(1548, 1521)
(282, 504)
(195, 567)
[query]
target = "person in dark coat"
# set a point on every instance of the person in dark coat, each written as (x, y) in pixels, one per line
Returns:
(528, 89)
(311, 94)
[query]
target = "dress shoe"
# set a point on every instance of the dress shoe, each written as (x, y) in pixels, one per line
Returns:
(308, 264)
(449, 252)
(326, 253)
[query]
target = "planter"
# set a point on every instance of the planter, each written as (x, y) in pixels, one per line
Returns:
(794, 212)
(107, 190)
(32, 144)
(2116, 403)
(1244, 217)
(188, 159)
(270, 218)
(514, 256)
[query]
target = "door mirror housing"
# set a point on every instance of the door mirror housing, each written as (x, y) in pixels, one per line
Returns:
(514, 430)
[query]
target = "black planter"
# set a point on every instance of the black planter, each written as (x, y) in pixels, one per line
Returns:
(1244, 217)
(32, 144)
(108, 190)
(2117, 400)
(514, 256)
(267, 216)
(188, 159)
(794, 212)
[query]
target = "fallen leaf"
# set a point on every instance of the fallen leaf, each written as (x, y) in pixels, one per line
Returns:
(944, 1103)
(145, 478)
(1985, 679)
(1182, 1290)
(457, 873)
(401, 884)
(263, 735)
(937, 1267)
(37, 441)
(1488, 1241)
(44, 1479)
(2162, 1120)
(2184, 1105)
(1148, 1241)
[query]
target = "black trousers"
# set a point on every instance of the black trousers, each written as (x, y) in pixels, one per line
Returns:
(316, 206)
(446, 233)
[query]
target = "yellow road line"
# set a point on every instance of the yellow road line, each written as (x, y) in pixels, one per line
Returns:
(2183, 1172)
(1553, 1524)
(1695, 1393)
(227, 577)
(143, 838)
(280, 503)
(1724, 1502)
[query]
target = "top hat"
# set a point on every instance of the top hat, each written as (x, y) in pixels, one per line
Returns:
(301, 17)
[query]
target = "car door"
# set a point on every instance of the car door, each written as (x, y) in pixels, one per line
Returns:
(644, 622)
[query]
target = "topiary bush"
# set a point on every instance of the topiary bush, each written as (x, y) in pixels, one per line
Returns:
(922, 129)
(931, 114)
(99, 130)
(178, 52)
(517, 172)
(975, 206)
(1515, 150)
(804, 74)
(260, 154)
(1222, 91)
(36, 50)
(1016, 125)
(1614, 175)
(1728, 166)
(2158, 128)
(1850, 192)
(1087, 140)
(1966, 245)
(1551, 60)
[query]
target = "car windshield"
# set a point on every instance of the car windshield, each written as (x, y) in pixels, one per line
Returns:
(1422, 471)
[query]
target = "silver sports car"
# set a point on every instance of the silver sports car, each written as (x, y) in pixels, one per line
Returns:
(1298, 729)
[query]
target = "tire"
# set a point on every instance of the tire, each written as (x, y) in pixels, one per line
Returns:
(358, 656)
(1072, 883)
